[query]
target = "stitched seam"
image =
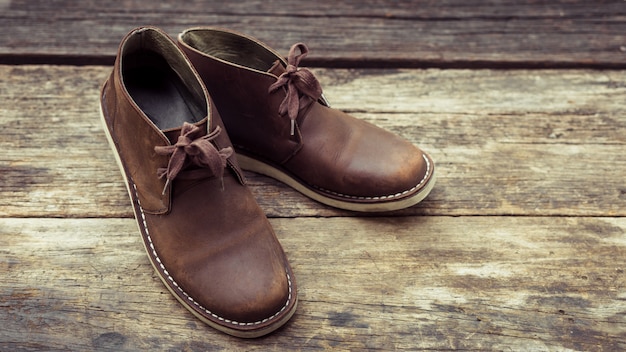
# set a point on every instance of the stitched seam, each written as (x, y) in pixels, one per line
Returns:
(426, 175)
(187, 296)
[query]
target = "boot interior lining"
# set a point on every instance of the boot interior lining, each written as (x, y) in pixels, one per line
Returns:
(232, 48)
(165, 96)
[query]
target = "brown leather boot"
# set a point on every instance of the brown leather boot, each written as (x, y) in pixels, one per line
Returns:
(282, 126)
(205, 235)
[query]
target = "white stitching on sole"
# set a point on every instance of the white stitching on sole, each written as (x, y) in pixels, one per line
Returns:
(178, 288)
(426, 175)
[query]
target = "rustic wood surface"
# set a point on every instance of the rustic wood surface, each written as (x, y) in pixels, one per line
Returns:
(403, 283)
(506, 142)
(486, 269)
(520, 246)
(352, 33)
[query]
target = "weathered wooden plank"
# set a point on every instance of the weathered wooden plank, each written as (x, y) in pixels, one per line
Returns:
(448, 9)
(472, 283)
(353, 33)
(505, 142)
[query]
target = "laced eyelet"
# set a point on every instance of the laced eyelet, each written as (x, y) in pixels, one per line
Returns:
(302, 86)
(198, 151)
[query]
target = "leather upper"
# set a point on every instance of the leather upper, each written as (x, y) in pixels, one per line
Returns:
(330, 151)
(207, 238)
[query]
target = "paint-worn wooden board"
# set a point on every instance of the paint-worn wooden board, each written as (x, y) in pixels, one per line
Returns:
(402, 283)
(517, 142)
(347, 33)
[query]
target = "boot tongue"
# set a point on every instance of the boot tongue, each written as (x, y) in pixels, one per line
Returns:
(277, 68)
(173, 134)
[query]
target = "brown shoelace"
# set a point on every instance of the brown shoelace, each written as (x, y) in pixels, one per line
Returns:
(193, 150)
(302, 86)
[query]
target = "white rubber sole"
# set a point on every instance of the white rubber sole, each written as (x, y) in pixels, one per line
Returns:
(376, 204)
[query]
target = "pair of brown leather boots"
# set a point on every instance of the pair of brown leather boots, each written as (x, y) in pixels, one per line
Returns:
(171, 111)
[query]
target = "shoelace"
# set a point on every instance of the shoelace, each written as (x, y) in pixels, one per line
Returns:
(302, 86)
(191, 150)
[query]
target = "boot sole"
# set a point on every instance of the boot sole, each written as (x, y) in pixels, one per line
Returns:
(372, 204)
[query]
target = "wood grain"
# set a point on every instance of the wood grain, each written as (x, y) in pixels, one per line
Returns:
(369, 33)
(520, 246)
(521, 142)
(476, 283)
